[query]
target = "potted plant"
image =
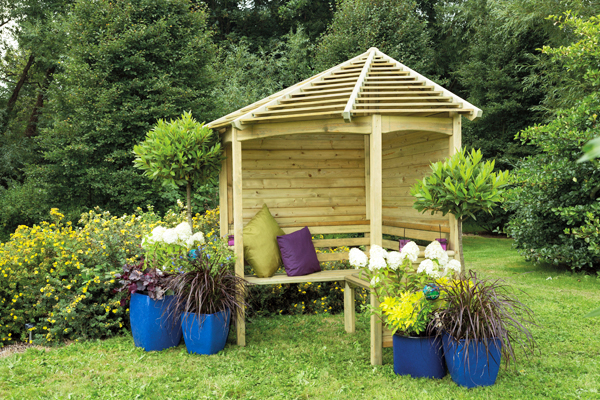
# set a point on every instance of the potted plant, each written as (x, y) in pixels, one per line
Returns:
(461, 185)
(152, 325)
(408, 301)
(181, 152)
(480, 323)
(209, 295)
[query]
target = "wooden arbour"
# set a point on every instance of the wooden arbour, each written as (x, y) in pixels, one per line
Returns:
(338, 153)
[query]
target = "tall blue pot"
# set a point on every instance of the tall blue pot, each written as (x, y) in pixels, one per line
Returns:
(205, 333)
(419, 357)
(151, 328)
(480, 368)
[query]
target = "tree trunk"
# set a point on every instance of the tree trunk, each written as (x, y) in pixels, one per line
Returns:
(31, 130)
(189, 205)
(15, 94)
(459, 222)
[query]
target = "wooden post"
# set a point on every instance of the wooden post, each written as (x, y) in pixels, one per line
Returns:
(376, 334)
(376, 200)
(376, 214)
(223, 206)
(238, 226)
(349, 308)
(455, 142)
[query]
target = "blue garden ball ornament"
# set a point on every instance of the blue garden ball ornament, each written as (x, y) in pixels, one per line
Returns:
(431, 292)
(193, 254)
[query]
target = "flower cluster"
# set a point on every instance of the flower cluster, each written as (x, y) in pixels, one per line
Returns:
(436, 264)
(164, 246)
(388, 272)
(408, 297)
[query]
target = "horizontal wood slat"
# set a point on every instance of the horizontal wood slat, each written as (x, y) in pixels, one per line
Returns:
(298, 183)
(302, 202)
(341, 242)
(326, 230)
(323, 276)
(302, 154)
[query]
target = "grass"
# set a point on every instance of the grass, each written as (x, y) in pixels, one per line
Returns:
(300, 357)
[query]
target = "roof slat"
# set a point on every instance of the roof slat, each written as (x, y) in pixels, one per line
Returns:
(295, 110)
(387, 87)
(359, 82)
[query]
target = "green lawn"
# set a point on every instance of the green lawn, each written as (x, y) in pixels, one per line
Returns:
(291, 357)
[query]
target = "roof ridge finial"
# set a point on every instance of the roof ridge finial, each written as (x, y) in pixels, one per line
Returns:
(373, 49)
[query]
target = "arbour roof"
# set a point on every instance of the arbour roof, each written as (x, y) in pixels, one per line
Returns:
(371, 83)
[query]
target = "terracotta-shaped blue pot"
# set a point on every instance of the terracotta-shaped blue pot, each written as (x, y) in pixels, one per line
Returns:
(151, 326)
(419, 357)
(205, 333)
(480, 368)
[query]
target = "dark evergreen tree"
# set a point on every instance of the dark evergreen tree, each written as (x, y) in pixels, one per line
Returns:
(128, 64)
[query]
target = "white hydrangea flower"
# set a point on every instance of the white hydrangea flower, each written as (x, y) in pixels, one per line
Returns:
(377, 263)
(424, 266)
(434, 250)
(358, 259)
(394, 259)
(170, 236)
(375, 281)
(454, 265)
(443, 259)
(184, 231)
(197, 237)
(377, 252)
(432, 270)
(411, 250)
(155, 236)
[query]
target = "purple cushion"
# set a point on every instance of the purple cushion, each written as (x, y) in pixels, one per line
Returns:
(298, 253)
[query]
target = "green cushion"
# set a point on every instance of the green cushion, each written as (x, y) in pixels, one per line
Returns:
(261, 250)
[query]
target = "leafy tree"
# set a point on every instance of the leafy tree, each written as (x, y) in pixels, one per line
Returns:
(556, 201)
(181, 152)
(246, 76)
(262, 23)
(128, 64)
(462, 185)
(394, 27)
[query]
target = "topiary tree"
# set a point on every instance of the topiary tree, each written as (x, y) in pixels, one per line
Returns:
(462, 185)
(180, 152)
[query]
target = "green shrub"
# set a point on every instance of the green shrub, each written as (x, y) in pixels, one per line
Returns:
(60, 277)
(557, 200)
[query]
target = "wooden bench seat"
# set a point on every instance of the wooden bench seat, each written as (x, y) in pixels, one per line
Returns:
(322, 276)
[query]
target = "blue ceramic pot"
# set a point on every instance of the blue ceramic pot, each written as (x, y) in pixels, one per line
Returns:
(152, 330)
(205, 333)
(479, 369)
(419, 357)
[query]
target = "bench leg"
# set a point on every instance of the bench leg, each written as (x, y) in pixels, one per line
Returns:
(349, 308)
(376, 335)
(241, 328)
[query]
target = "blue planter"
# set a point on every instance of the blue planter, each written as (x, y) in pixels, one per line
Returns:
(205, 333)
(418, 357)
(479, 369)
(150, 327)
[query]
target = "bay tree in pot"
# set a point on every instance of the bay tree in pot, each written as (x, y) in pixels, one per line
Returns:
(181, 152)
(209, 296)
(481, 322)
(461, 185)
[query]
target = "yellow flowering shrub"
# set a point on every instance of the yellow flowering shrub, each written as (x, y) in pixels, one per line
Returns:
(60, 277)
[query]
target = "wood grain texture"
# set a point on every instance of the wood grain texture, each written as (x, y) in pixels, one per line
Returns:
(375, 171)
(238, 224)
